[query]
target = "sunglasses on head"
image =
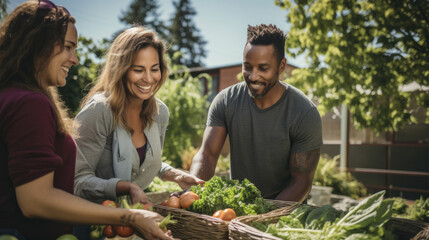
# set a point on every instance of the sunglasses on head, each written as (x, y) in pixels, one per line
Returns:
(50, 5)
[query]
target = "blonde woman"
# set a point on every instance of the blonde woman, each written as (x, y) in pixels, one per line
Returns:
(122, 124)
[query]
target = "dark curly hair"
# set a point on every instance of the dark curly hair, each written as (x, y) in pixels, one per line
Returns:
(267, 35)
(27, 39)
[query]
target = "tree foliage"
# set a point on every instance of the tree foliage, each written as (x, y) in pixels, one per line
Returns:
(183, 94)
(180, 32)
(185, 36)
(362, 53)
(81, 77)
(3, 9)
(146, 13)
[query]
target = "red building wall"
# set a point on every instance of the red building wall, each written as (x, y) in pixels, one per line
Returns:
(228, 76)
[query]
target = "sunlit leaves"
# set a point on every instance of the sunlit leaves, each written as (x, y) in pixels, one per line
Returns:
(183, 94)
(361, 53)
(82, 76)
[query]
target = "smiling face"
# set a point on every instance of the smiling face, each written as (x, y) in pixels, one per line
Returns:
(144, 74)
(62, 59)
(261, 69)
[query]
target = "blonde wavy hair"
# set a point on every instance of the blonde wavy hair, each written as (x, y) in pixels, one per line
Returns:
(27, 39)
(112, 80)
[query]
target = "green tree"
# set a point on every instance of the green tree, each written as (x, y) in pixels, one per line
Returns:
(185, 36)
(362, 53)
(81, 77)
(146, 13)
(3, 9)
(183, 94)
(180, 33)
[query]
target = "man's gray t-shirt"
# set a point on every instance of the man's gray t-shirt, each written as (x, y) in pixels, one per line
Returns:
(261, 141)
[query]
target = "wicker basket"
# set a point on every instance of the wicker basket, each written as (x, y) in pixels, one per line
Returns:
(239, 228)
(410, 229)
(192, 225)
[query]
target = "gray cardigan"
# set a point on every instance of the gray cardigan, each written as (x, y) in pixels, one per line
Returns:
(106, 154)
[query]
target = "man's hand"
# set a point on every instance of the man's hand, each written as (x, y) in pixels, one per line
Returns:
(187, 180)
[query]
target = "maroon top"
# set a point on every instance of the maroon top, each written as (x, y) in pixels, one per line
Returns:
(30, 148)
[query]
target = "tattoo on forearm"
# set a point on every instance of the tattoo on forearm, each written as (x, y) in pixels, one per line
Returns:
(128, 219)
(305, 162)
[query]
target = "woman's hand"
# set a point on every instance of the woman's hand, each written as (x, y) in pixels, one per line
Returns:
(146, 224)
(185, 180)
(137, 195)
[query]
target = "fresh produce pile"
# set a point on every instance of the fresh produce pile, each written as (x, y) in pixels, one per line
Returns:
(226, 214)
(363, 221)
(221, 193)
(417, 211)
(183, 200)
(111, 231)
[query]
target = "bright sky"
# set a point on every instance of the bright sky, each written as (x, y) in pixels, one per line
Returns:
(223, 23)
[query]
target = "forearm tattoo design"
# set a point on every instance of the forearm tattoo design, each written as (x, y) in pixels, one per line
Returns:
(128, 219)
(305, 162)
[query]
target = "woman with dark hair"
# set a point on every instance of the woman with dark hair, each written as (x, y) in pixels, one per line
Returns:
(37, 153)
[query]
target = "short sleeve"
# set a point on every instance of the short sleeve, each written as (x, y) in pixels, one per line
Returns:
(307, 135)
(217, 111)
(30, 137)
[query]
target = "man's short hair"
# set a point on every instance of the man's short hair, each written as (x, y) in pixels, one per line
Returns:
(266, 35)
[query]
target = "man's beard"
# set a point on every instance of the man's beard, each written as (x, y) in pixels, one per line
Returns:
(267, 88)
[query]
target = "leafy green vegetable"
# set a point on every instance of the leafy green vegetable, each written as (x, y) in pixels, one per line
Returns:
(367, 212)
(363, 221)
(417, 211)
(262, 226)
(166, 221)
(301, 213)
(420, 210)
(220, 193)
(160, 186)
(317, 217)
(399, 207)
(362, 236)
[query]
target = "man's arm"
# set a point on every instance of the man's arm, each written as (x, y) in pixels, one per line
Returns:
(204, 162)
(302, 166)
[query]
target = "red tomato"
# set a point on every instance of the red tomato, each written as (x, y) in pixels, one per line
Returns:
(228, 214)
(109, 203)
(148, 207)
(187, 199)
(218, 213)
(174, 202)
(123, 231)
(108, 231)
(164, 203)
